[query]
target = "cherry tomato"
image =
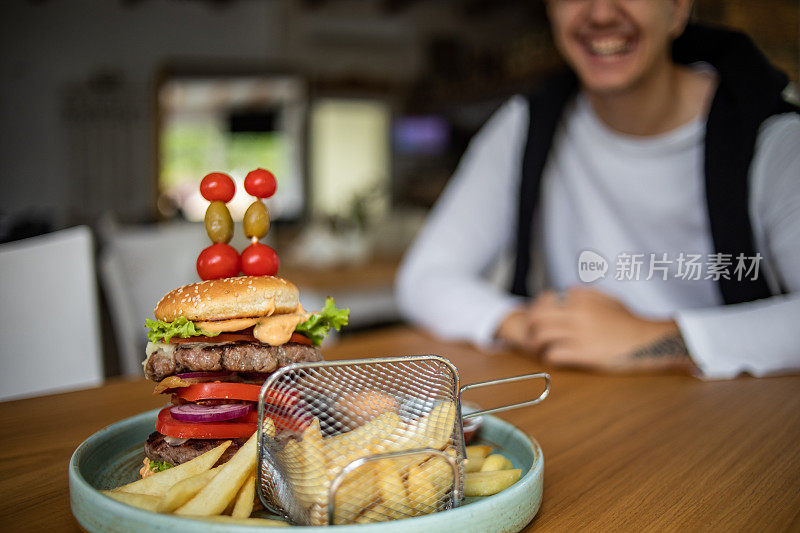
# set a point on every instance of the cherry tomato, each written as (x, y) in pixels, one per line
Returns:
(260, 183)
(217, 186)
(218, 261)
(259, 260)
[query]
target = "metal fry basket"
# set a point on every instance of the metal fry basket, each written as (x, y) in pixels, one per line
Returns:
(366, 440)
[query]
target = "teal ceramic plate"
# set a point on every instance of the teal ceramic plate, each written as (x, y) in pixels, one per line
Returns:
(113, 456)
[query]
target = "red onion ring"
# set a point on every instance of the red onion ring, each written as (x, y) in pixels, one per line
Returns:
(192, 412)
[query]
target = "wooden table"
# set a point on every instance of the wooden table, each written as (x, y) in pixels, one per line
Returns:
(621, 453)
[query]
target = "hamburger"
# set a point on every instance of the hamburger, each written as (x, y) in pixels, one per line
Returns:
(211, 347)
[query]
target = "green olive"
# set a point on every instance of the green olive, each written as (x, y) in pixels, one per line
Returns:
(256, 220)
(219, 224)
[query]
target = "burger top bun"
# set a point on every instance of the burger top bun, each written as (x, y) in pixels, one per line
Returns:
(228, 298)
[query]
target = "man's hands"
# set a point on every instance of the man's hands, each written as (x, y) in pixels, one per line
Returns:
(586, 328)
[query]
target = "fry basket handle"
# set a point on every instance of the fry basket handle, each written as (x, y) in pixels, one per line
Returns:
(500, 381)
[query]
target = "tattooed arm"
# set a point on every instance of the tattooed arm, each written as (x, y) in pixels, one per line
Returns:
(669, 348)
(589, 329)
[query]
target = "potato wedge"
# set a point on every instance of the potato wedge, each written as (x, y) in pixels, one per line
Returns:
(183, 491)
(439, 472)
(494, 462)
(291, 457)
(488, 483)
(473, 465)
(478, 451)
(366, 439)
(147, 502)
(258, 522)
(215, 497)
(312, 482)
(428, 483)
(439, 425)
(430, 431)
(357, 491)
(391, 489)
(372, 514)
(244, 500)
(158, 484)
(421, 495)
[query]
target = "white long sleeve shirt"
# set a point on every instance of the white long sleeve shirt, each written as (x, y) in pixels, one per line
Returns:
(629, 200)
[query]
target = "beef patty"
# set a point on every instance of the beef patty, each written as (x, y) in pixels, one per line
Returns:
(157, 449)
(233, 356)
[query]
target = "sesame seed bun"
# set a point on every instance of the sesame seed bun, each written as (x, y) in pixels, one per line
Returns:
(229, 298)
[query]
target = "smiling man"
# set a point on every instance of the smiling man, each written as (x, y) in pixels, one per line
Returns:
(667, 157)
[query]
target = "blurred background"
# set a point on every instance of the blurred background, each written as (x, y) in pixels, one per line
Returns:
(112, 112)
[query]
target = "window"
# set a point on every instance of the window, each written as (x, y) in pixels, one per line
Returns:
(232, 125)
(350, 156)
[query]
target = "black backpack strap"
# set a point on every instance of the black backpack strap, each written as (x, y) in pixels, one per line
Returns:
(748, 93)
(546, 108)
(729, 150)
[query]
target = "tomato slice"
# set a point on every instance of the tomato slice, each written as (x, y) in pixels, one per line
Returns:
(232, 391)
(219, 391)
(235, 429)
(238, 428)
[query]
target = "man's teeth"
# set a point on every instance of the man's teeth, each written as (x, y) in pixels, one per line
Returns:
(607, 47)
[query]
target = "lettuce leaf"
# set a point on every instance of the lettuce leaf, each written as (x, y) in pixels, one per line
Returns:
(161, 331)
(158, 466)
(319, 324)
(315, 328)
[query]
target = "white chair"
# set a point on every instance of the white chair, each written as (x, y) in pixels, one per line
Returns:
(139, 265)
(49, 315)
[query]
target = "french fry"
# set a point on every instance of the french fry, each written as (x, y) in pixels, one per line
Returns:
(229, 507)
(478, 451)
(214, 497)
(488, 483)
(257, 522)
(183, 491)
(494, 462)
(147, 502)
(159, 483)
(244, 500)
